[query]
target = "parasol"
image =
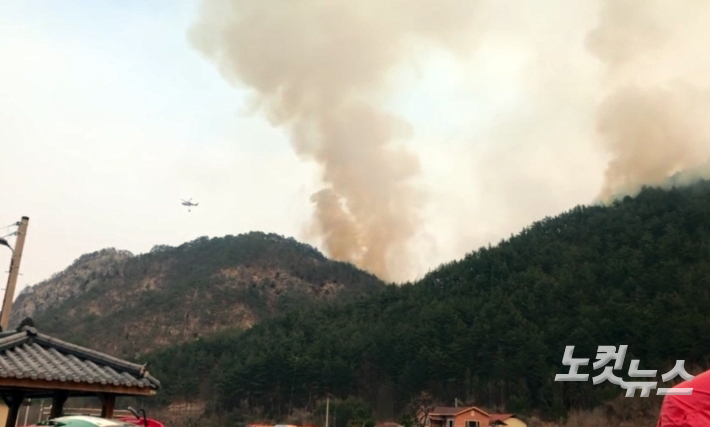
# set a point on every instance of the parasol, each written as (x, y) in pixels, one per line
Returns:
(84, 421)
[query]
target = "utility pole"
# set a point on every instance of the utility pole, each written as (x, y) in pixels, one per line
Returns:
(14, 272)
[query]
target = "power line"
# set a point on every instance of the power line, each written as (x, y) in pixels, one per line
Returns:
(7, 227)
(8, 235)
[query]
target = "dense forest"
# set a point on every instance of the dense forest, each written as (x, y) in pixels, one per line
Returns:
(489, 329)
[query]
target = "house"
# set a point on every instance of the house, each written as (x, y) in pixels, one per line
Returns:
(463, 416)
(506, 420)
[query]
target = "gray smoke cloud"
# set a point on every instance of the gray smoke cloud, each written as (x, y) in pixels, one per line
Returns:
(324, 69)
(653, 120)
(321, 69)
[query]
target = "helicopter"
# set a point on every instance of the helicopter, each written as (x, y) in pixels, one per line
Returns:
(189, 203)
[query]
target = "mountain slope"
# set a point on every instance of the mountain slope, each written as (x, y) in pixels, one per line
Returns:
(489, 329)
(127, 304)
(85, 273)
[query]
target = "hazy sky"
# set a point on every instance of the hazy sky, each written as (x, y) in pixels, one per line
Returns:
(108, 117)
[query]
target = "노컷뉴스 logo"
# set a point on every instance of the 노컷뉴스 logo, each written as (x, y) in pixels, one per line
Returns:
(607, 353)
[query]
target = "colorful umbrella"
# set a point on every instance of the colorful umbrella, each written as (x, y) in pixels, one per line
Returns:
(84, 421)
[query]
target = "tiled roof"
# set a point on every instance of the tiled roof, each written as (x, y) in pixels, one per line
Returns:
(443, 410)
(500, 417)
(448, 411)
(30, 355)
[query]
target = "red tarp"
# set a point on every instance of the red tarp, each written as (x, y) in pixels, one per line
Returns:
(688, 410)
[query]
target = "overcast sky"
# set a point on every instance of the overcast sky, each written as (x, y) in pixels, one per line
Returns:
(108, 117)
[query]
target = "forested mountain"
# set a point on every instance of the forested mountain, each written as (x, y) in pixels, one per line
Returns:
(127, 304)
(489, 329)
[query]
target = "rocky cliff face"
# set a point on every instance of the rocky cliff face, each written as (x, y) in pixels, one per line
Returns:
(126, 305)
(87, 272)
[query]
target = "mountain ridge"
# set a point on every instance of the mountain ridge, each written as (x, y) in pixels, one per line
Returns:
(82, 274)
(174, 294)
(489, 329)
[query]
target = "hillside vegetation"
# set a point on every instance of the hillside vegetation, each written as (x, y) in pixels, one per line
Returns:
(126, 305)
(489, 329)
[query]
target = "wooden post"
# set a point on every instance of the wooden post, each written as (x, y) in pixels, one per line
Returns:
(108, 403)
(58, 400)
(14, 409)
(14, 272)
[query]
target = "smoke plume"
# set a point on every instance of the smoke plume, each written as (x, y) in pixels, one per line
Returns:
(653, 121)
(320, 69)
